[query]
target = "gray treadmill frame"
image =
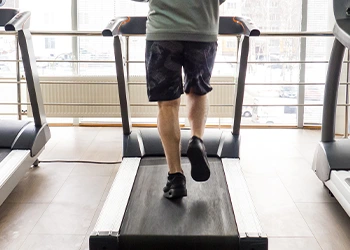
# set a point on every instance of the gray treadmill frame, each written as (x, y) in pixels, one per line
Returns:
(226, 144)
(332, 159)
(31, 137)
(332, 154)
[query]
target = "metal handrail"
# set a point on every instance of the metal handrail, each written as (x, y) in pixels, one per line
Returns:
(98, 34)
(110, 61)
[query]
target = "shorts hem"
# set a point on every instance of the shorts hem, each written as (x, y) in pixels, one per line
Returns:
(164, 99)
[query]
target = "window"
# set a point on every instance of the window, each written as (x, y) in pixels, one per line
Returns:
(48, 15)
(269, 15)
(50, 43)
(230, 44)
(274, 4)
(231, 5)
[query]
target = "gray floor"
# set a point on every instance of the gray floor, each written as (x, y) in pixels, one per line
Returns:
(56, 205)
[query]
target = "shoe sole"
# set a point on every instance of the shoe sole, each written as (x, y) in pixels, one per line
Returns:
(175, 193)
(199, 167)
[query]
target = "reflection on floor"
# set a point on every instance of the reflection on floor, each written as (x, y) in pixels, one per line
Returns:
(56, 205)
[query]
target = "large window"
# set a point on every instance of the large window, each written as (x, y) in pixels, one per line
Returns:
(276, 76)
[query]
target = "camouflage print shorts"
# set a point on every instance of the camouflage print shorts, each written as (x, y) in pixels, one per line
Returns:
(164, 63)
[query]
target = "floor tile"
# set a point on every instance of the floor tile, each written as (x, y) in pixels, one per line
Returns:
(66, 218)
(53, 242)
(258, 167)
(93, 169)
(329, 224)
(73, 208)
(82, 190)
(16, 222)
(300, 181)
(103, 151)
(69, 150)
(293, 244)
(41, 184)
(272, 200)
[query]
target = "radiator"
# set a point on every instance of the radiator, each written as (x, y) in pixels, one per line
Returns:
(92, 98)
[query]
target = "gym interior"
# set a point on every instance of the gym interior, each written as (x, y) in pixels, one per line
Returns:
(82, 166)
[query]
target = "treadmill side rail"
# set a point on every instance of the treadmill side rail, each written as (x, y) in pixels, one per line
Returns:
(12, 169)
(248, 224)
(339, 185)
(109, 222)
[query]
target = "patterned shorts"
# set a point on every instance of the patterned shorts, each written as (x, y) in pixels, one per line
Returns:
(164, 63)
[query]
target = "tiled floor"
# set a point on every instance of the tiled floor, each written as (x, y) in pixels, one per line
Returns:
(56, 205)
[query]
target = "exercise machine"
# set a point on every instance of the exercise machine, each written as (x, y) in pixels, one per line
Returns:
(332, 157)
(21, 142)
(217, 214)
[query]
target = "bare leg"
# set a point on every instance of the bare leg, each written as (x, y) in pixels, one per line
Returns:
(169, 130)
(197, 106)
(197, 115)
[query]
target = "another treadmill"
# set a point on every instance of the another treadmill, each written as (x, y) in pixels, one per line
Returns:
(21, 142)
(217, 214)
(332, 157)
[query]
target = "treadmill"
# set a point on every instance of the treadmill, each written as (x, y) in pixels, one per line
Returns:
(217, 214)
(21, 142)
(332, 157)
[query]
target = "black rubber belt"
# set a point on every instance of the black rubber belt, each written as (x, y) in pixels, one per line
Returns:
(202, 220)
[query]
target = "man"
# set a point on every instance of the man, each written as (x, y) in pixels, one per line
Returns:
(181, 34)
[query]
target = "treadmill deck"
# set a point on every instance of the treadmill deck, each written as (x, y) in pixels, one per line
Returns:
(204, 219)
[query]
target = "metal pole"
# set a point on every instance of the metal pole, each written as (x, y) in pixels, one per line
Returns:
(122, 86)
(75, 46)
(127, 60)
(242, 70)
(18, 79)
(346, 130)
(301, 95)
(235, 87)
(331, 92)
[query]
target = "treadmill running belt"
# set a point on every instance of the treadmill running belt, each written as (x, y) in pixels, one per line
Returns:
(3, 153)
(202, 220)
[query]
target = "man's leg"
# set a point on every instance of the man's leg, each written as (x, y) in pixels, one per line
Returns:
(164, 83)
(169, 130)
(197, 106)
(198, 65)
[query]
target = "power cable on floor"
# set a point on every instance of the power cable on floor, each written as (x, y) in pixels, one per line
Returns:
(90, 162)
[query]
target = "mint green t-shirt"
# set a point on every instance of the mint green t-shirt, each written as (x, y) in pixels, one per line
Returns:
(183, 20)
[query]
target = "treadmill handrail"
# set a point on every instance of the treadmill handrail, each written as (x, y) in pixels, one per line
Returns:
(341, 29)
(228, 25)
(6, 14)
(21, 21)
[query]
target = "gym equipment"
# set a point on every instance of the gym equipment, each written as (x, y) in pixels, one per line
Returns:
(21, 141)
(217, 214)
(332, 157)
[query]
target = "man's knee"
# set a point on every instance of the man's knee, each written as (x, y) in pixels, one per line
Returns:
(173, 104)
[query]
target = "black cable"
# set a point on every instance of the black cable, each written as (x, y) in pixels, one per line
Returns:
(90, 162)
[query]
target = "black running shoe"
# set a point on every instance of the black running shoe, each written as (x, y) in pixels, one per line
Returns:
(198, 157)
(175, 186)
